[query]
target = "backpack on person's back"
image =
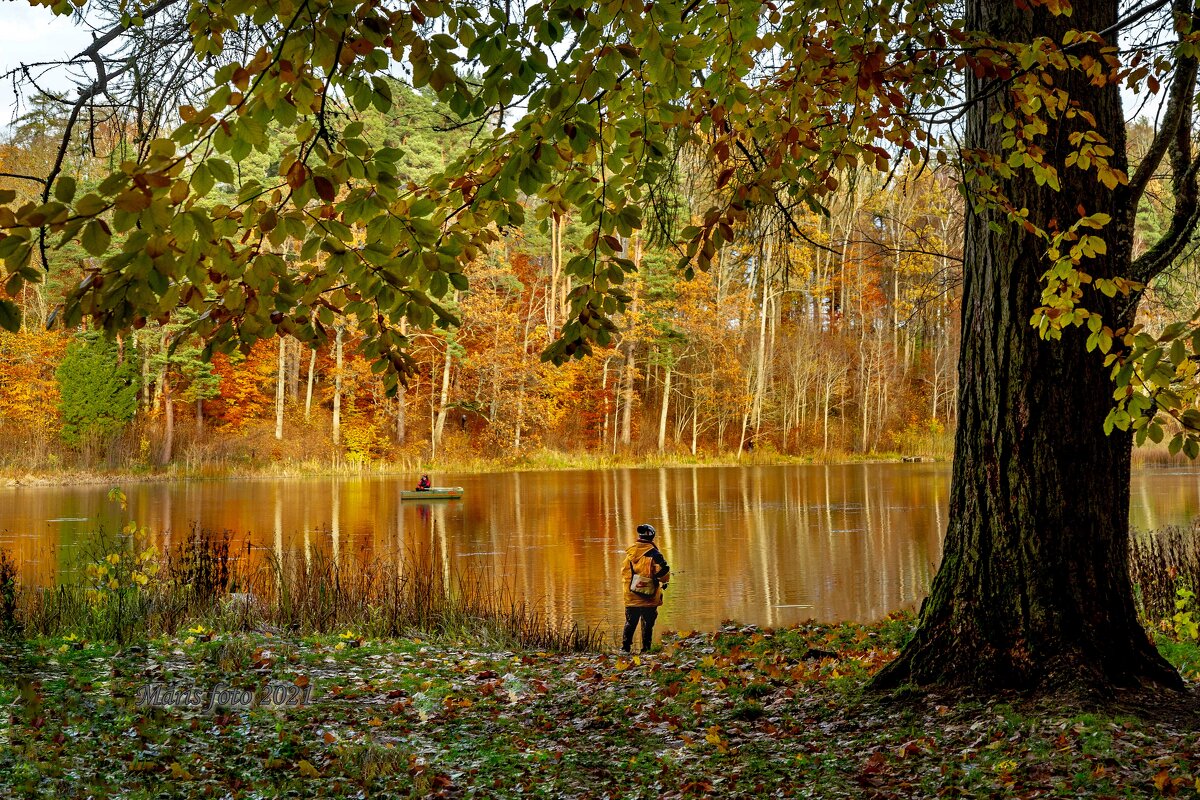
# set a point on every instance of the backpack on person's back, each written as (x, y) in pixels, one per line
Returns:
(643, 582)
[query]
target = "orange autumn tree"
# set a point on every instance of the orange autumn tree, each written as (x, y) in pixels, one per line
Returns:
(247, 386)
(29, 399)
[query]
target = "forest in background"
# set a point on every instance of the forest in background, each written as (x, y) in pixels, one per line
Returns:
(826, 334)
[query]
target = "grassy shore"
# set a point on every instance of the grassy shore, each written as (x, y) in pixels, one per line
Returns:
(740, 713)
(538, 461)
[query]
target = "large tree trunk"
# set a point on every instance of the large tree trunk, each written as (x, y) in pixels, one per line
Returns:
(1033, 590)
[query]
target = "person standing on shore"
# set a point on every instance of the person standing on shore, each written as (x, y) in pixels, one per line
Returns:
(644, 576)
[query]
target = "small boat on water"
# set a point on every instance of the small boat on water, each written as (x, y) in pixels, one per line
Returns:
(433, 493)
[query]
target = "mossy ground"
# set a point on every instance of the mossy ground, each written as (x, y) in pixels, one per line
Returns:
(741, 713)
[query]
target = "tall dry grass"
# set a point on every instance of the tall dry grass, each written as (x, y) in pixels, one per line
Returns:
(203, 582)
(1161, 561)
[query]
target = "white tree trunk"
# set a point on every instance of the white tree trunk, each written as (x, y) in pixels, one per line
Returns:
(337, 389)
(662, 416)
(280, 379)
(440, 425)
(604, 416)
(312, 367)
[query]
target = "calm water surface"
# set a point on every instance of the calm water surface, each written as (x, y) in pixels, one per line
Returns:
(767, 545)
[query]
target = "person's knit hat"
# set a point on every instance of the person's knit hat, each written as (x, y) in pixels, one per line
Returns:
(646, 532)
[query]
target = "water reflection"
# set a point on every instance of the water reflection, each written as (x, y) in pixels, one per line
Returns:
(769, 545)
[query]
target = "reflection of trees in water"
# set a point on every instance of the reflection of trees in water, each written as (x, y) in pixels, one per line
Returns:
(852, 541)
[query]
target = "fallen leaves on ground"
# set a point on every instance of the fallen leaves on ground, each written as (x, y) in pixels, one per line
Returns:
(743, 712)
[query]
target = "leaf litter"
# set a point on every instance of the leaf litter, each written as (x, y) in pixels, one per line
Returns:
(742, 712)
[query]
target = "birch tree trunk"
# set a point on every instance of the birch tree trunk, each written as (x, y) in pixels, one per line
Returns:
(444, 398)
(280, 378)
(662, 416)
(312, 367)
(337, 389)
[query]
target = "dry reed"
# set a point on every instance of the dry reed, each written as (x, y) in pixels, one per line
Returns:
(203, 582)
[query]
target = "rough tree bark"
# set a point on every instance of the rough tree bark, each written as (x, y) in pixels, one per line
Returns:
(1033, 591)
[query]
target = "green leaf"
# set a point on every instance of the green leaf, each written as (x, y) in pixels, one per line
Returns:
(96, 238)
(221, 170)
(64, 189)
(1155, 432)
(1173, 331)
(10, 316)
(438, 284)
(90, 205)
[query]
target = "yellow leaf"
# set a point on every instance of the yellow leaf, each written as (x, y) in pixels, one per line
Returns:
(375, 722)
(1161, 779)
(132, 200)
(308, 770)
(179, 191)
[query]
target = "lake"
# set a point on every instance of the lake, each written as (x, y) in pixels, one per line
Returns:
(760, 544)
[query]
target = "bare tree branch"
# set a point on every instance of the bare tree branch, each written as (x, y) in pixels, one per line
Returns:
(1174, 136)
(1179, 101)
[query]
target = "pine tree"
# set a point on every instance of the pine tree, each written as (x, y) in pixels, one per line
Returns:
(98, 386)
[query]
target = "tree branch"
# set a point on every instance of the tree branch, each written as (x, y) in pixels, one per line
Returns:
(1178, 104)
(92, 51)
(1175, 137)
(1176, 239)
(787, 214)
(99, 86)
(19, 177)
